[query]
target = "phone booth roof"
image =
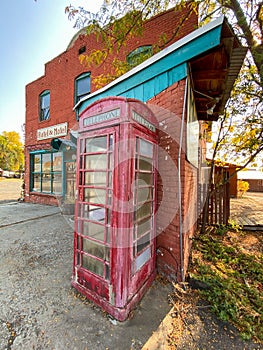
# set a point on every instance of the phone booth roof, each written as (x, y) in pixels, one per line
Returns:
(114, 110)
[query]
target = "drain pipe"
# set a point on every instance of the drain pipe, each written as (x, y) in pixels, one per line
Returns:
(180, 184)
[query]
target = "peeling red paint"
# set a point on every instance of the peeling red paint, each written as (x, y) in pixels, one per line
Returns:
(115, 238)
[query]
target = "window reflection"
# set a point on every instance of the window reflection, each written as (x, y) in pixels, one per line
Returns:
(145, 178)
(94, 213)
(46, 162)
(144, 164)
(95, 195)
(96, 144)
(46, 176)
(57, 162)
(37, 182)
(95, 209)
(57, 183)
(93, 230)
(46, 183)
(143, 201)
(93, 265)
(144, 210)
(96, 162)
(96, 178)
(144, 226)
(144, 194)
(96, 249)
(37, 163)
(146, 148)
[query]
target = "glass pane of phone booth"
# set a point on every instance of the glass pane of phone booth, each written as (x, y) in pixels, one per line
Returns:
(94, 208)
(143, 203)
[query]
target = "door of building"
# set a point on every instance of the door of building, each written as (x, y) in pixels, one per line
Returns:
(70, 190)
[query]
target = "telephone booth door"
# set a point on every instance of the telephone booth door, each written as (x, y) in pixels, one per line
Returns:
(114, 238)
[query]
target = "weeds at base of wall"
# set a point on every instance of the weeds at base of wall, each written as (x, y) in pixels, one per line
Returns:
(184, 301)
(229, 263)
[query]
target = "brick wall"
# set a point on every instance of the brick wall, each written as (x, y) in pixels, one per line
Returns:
(168, 108)
(255, 185)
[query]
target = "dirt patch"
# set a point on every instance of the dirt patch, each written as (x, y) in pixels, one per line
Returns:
(194, 324)
(196, 327)
(249, 242)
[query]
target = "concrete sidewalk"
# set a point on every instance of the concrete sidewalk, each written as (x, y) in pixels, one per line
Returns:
(39, 308)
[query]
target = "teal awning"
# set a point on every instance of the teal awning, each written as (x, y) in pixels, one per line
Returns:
(62, 144)
(171, 65)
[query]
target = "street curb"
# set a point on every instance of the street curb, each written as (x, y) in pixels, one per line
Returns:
(159, 338)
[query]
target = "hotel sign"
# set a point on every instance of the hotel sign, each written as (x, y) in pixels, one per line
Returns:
(52, 131)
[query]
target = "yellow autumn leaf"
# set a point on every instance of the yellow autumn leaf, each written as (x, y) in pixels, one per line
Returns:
(82, 58)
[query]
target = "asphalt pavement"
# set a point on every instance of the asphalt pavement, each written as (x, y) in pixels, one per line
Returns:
(39, 308)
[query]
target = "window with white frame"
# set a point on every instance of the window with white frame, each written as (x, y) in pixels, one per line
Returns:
(82, 86)
(44, 105)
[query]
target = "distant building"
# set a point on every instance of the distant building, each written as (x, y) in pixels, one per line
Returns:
(254, 178)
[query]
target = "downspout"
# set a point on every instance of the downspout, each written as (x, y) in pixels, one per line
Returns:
(180, 184)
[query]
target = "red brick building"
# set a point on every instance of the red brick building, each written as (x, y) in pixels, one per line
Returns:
(184, 84)
(48, 176)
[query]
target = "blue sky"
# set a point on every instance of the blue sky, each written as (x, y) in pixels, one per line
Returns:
(32, 33)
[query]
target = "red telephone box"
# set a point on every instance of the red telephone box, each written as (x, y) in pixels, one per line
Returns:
(114, 236)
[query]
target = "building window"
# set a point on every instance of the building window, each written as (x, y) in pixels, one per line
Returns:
(46, 173)
(193, 132)
(82, 50)
(139, 55)
(82, 86)
(44, 102)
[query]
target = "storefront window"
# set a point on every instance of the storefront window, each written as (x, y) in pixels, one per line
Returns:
(46, 174)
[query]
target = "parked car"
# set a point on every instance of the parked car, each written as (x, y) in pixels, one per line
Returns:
(9, 174)
(18, 175)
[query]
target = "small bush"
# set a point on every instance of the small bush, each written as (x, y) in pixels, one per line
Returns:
(242, 187)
